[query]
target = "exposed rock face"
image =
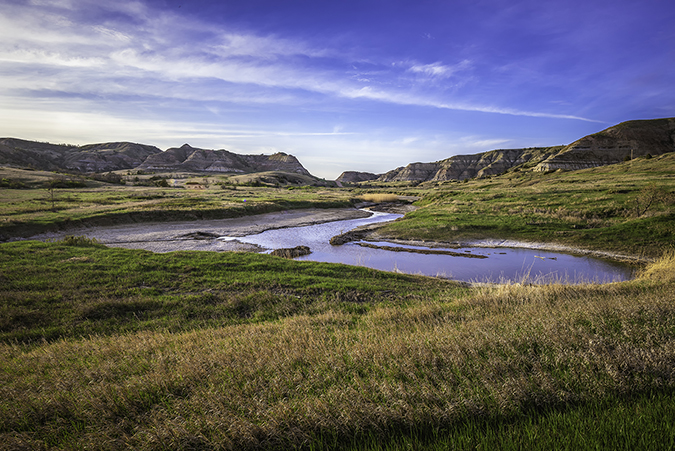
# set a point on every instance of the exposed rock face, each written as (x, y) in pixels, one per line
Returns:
(488, 163)
(413, 172)
(610, 146)
(462, 167)
(29, 154)
(627, 140)
(355, 177)
(187, 158)
(108, 157)
(62, 157)
(293, 252)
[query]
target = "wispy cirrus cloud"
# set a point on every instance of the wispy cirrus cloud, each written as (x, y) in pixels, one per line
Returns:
(87, 50)
(439, 70)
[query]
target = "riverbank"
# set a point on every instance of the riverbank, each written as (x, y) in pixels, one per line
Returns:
(201, 234)
(374, 233)
(514, 244)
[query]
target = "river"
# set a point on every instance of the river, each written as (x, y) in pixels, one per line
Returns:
(469, 264)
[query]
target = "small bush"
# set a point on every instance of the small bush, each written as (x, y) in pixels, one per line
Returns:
(81, 241)
(63, 183)
(9, 183)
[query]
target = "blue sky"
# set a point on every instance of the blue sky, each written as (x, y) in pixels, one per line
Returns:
(343, 85)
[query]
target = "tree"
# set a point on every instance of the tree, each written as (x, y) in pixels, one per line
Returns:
(50, 186)
(648, 196)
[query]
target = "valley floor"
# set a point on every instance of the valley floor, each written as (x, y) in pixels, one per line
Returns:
(193, 235)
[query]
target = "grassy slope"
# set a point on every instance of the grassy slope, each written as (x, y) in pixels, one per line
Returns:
(593, 208)
(220, 351)
(113, 348)
(75, 288)
(26, 212)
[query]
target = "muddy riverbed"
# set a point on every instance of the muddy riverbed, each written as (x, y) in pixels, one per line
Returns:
(200, 235)
(488, 261)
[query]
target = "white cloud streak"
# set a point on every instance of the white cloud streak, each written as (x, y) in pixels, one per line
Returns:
(439, 70)
(137, 55)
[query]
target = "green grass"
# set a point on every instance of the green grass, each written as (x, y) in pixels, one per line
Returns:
(75, 288)
(110, 348)
(644, 422)
(593, 208)
(219, 351)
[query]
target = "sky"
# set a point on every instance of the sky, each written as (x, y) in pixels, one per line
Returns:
(361, 85)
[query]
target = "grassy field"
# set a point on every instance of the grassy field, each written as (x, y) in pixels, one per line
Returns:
(34, 208)
(110, 348)
(628, 207)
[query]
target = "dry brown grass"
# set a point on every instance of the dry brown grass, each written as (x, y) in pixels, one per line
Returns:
(662, 270)
(380, 197)
(498, 351)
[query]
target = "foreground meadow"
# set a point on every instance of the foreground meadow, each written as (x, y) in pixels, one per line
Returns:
(104, 348)
(114, 349)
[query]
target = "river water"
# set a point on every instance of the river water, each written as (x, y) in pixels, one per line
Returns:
(501, 265)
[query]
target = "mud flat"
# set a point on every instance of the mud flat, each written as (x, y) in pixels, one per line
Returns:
(200, 235)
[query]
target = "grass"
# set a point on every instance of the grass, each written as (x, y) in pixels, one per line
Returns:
(617, 424)
(110, 348)
(380, 357)
(26, 212)
(379, 197)
(76, 288)
(593, 208)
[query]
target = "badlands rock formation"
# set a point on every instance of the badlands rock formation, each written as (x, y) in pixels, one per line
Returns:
(104, 157)
(190, 159)
(462, 167)
(116, 156)
(630, 139)
(355, 177)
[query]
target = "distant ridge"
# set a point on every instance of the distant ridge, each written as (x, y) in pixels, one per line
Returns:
(355, 177)
(626, 140)
(629, 139)
(107, 157)
(103, 157)
(187, 158)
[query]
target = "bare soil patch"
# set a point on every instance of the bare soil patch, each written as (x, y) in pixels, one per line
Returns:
(202, 234)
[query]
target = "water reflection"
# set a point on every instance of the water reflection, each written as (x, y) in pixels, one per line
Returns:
(501, 264)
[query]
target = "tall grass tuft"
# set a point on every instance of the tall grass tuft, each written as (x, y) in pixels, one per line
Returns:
(380, 197)
(662, 270)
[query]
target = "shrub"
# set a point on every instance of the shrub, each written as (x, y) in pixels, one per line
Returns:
(80, 241)
(9, 183)
(64, 183)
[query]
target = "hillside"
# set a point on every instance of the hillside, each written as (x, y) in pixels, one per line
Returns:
(626, 140)
(187, 158)
(630, 139)
(106, 157)
(355, 177)
(103, 157)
